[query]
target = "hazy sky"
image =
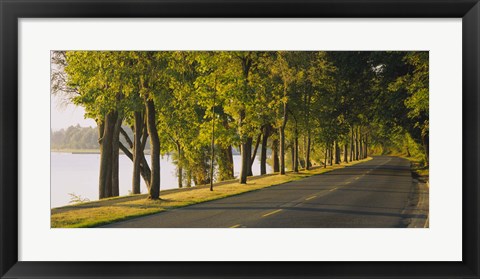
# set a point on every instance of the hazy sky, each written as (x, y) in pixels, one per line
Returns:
(64, 116)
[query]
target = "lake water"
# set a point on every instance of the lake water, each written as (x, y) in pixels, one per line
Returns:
(78, 174)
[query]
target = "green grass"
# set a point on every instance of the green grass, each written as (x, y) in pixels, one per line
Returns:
(96, 213)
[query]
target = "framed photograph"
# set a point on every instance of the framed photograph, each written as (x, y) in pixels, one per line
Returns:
(221, 139)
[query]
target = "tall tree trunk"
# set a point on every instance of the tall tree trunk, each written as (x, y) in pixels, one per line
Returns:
(276, 162)
(337, 153)
(105, 178)
(246, 150)
(345, 153)
(282, 138)
(292, 149)
(115, 154)
(137, 151)
(295, 162)
(101, 184)
(154, 192)
(325, 157)
(356, 145)
(263, 153)
(352, 147)
(360, 140)
(331, 154)
(282, 151)
(246, 147)
(230, 160)
(308, 164)
(179, 165)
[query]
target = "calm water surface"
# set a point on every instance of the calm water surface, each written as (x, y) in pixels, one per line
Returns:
(78, 174)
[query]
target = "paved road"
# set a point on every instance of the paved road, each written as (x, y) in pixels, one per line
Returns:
(368, 195)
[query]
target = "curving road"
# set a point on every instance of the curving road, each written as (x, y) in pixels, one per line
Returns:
(373, 194)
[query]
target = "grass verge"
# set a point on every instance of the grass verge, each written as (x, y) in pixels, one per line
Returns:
(92, 214)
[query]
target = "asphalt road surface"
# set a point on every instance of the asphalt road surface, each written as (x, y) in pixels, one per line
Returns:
(373, 194)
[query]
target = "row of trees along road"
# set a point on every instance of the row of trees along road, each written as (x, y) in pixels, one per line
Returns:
(323, 107)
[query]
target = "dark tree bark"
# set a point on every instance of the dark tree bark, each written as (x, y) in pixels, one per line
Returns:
(295, 162)
(105, 178)
(352, 148)
(331, 154)
(101, 185)
(263, 153)
(276, 162)
(282, 139)
(337, 153)
(179, 165)
(154, 192)
(308, 164)
(360, 140)
(345, 153)
(325, 157)
(246, 150)
(246, 146)
(137, 151)
(292, 149)
(115, 154)
(356, 145)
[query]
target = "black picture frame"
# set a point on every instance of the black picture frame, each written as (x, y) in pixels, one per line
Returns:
(11, 11)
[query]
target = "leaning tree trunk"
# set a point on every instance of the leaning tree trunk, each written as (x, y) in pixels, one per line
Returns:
(115, 154)
(154, 192)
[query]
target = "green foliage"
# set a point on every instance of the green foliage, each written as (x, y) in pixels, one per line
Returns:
(325, 95)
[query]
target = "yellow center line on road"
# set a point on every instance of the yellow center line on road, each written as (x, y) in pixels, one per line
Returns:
(273, 212)
(309, 198)
(236, 226)
(333, 189)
